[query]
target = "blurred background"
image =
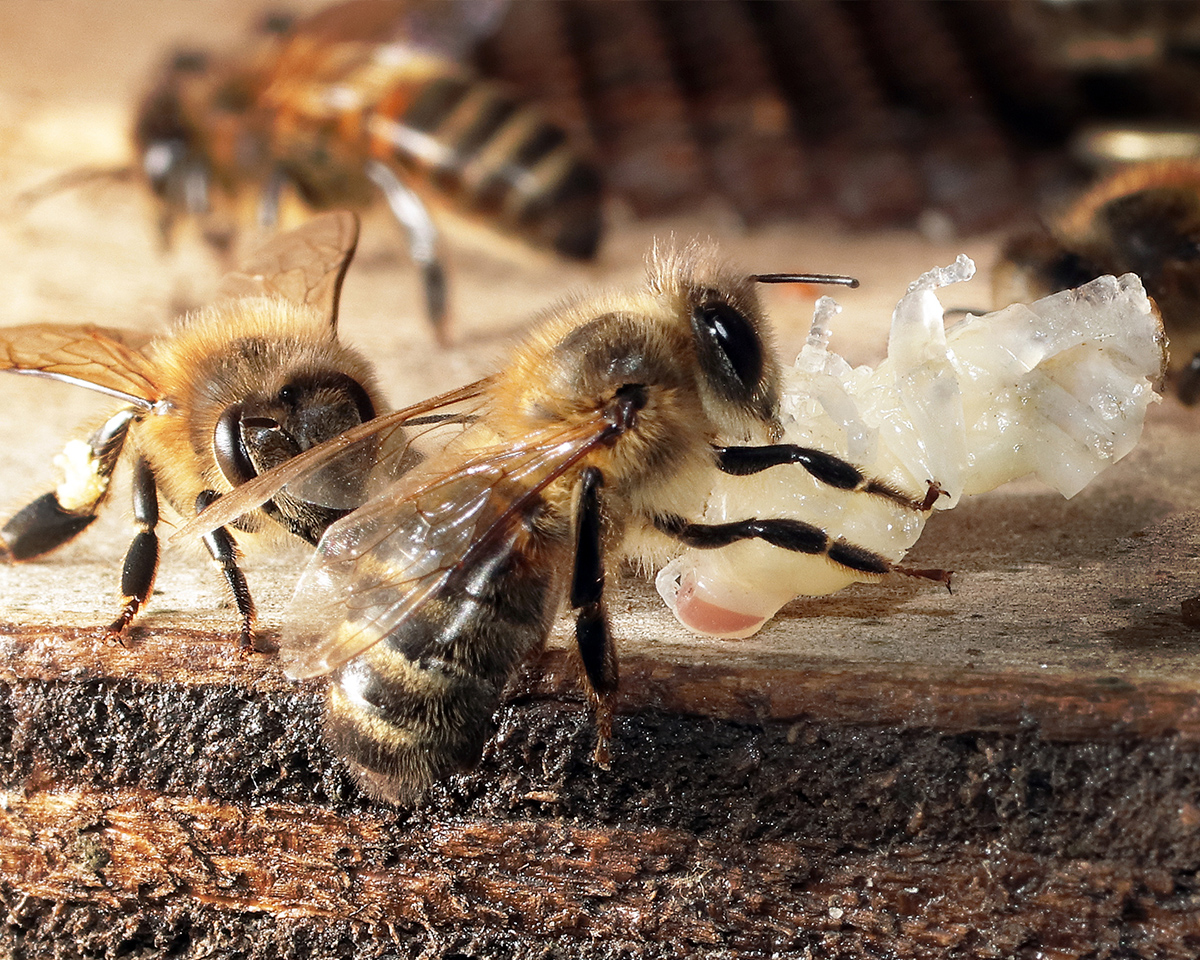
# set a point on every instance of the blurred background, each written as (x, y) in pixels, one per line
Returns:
(871, 137)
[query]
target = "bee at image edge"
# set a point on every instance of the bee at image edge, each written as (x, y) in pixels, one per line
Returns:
(369, 99)
(595, 441)
(1142, 218)
(233, 391)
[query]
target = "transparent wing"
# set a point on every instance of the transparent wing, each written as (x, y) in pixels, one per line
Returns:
(368, 466)
(99, 358)
(449, 27)
(305, 265)
(347, 57)
(437, 530)
(315, 474)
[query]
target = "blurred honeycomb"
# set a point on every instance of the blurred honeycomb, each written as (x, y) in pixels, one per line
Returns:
(874, 112)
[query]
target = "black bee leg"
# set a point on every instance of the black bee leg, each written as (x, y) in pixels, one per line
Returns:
(592, 634)
(831, 470)
(141, 560)
(196, 189)
(413, 216)
(166, 228)
(224, 551)
(270, 200)
(794, 535)
(57, 517)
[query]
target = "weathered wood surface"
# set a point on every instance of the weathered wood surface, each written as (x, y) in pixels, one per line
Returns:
(1009, 771)
(168, 789)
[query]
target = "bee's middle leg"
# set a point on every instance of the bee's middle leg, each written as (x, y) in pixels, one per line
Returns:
(825, 467)
(593, 636)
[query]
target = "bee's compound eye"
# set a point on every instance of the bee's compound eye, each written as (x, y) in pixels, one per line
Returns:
(229, 448)
(735, 338)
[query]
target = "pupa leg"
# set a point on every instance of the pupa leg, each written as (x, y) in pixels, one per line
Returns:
(224, 551)
(788, 534)
(57, 517)
(831, 470)
(592, 633)
(141, 560)
(413, 216)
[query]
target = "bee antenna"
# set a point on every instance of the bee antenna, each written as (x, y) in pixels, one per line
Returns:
(804, 278)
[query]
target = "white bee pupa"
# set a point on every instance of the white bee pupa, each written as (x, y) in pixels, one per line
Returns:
(1058, 388)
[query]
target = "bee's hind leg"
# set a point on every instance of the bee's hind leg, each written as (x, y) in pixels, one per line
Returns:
(413, 216)
(56, 518)
(224, 551)
(39, 527)
(271, 199)
(593, 636)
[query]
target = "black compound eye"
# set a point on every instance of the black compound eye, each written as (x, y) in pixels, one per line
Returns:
(735, 338)
(230, 450)
(289, 395)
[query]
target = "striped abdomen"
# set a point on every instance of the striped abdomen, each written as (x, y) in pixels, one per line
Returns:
(491, 157)
(419, 705)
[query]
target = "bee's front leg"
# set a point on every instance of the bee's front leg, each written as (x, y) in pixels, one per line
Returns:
(830, 470)
(788, 534)
(224, 551)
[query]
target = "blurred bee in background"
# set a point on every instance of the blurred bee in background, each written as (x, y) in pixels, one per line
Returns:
(597, 440)
(237, 389)
(1144, 219)
(369, 98)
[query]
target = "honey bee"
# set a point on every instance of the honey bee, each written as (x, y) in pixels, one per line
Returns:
(237, 389)
(370, 98)
(1143, 219)
(596, 441)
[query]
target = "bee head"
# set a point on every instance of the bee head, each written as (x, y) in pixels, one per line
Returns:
(737, 372)
(264, 430)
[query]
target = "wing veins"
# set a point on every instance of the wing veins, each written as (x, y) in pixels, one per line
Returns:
(109, 361)
(355, 637)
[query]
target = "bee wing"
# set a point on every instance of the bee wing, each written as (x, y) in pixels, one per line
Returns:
(99, 358)
(347, 57)
(449, 27)
(305, 265)
(367, 466)
(311, 474)
(438, 530)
